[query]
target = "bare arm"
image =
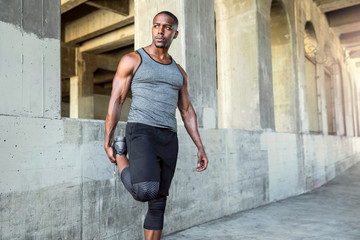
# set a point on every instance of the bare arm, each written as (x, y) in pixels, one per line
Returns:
(120, 87)
(189, 118)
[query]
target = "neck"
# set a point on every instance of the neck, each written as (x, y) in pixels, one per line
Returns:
(159, 52)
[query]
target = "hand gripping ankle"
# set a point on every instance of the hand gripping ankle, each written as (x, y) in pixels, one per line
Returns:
(119, 146)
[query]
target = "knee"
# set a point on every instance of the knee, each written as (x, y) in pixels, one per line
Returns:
(146, 191)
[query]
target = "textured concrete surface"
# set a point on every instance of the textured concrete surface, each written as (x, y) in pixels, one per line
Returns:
(200, 34)
(30, 72)
(40, 17)
(57, 181)
(327, 213)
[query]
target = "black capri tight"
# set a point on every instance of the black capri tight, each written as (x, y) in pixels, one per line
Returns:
(152, 156)
(147, 192)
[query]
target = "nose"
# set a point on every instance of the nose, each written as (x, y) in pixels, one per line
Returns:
(160, 30)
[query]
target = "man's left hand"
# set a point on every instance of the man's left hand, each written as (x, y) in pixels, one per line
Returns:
(202, 161)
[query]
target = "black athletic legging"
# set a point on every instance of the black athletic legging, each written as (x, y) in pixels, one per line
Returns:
(147, 192)
(152, 156)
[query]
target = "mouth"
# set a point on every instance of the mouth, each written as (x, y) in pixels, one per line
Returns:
(160, 39)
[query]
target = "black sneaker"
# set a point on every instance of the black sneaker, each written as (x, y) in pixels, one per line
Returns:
(119, 146)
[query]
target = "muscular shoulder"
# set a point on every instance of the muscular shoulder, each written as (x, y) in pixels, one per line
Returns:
(129, 62)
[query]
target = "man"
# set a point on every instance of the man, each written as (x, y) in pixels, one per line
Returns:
(158, 86)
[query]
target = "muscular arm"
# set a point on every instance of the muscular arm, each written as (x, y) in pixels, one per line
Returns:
(190, 121)
(120, 87)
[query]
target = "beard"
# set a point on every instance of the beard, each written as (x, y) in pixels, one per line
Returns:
(159, 46)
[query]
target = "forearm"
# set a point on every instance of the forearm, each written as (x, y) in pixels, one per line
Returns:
(190, 122)
(111, 121)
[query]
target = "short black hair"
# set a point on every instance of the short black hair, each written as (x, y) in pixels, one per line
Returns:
(176, 22)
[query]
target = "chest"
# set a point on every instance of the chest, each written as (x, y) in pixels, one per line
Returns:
(158, 75)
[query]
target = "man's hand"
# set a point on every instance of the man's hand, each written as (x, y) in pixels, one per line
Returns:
(110, 153)
(202, 161)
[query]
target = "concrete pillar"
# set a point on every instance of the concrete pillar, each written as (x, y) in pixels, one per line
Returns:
(320, 80)
(282, 71)
(338, 95)
(74, 97)
(81, 95)
(349, 124)
(266, 89)
(200, 57)
(194, 49)
(30, 74)
(244, 72)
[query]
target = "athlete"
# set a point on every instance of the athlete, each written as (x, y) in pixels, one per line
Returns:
(158, 86)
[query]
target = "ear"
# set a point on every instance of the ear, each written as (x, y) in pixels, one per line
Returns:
(176, 34)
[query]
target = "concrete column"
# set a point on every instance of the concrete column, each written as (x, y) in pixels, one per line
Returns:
(349, 124)
(30, 72)
(200, 56)
(354, 100)
(194, 49)
(264, 58)
(81, 95)
(320, 79)
(339, 118)
(243, 79)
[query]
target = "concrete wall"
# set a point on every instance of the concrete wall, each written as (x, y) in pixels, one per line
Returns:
(283, 81)
(56, 181)
(30, 71)
(237, 64)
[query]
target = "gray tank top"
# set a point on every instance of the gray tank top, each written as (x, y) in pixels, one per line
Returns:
(155, 90)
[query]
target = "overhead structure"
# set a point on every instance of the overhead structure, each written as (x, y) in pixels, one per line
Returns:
(344, 18)
(95, 35)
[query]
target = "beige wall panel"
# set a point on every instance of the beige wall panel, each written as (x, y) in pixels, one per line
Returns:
(238, 87)
(312, 96)
(329, 104)
(283, 84)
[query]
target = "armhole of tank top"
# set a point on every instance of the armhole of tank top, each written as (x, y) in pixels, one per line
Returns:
(177, 66)
(139, 64)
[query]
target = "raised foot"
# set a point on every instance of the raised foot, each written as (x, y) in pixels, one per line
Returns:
(119, 146)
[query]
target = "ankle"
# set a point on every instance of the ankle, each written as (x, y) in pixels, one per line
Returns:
(121, 161)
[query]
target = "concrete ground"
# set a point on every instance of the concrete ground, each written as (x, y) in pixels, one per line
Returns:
(330, 212)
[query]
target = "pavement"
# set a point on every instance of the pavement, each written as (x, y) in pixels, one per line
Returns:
(331, 212)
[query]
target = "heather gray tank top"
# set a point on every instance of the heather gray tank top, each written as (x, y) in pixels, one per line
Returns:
(155, 90)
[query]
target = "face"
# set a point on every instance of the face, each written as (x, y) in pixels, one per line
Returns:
(163, 31)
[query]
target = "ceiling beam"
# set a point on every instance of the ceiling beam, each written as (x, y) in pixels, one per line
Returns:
(344, 16)
(350, 39)
(332, 5)
(351, 27)
(95, 24)
(110, 41)
(67, 5)
(351, 48)
(354, 54)
(118, 6)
